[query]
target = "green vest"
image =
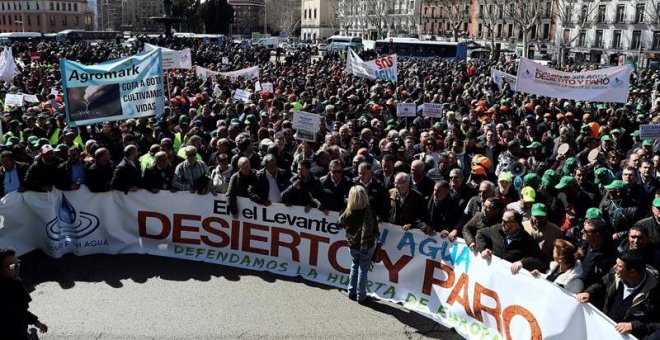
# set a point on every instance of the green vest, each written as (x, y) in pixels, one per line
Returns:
(146, 161)
(177, 141)
(182, 153)
(55, 138)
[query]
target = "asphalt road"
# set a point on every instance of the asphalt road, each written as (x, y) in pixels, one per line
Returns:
(149, 297)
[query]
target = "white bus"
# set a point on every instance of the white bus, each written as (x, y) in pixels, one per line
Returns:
(340, 43)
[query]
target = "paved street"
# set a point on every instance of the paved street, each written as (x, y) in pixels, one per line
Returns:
(148, 297)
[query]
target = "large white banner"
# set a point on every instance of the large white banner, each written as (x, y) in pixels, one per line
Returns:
(603, 85)
(500, 78)
(8, 67)
(173, 59)
(248, 73)
(383, 68)
(123, 88)
(442, 280)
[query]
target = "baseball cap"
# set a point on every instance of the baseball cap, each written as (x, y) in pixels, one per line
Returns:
(656, 202)
(593, 213)
(566, 180)
(531, 179)
(647, 142)
(569, 165)
(616, 184)
(478, 170)
(505, 177)
(635, 133)
(539, 209)
(46, 149)
(534, 145)
(528, 194)
(549, 177)
(605, 138)
(603, 175)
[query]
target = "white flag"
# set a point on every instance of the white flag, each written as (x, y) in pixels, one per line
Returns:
(8, 68)
(355, 65)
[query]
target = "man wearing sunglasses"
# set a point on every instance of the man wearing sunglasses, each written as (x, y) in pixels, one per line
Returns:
(14, 300)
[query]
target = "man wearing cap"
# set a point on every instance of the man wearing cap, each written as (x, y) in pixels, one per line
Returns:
(41, 174)
(652, 224)
(619, 210)
(543, 231)
(523, 205)
(509, 241)
(505, 191)
(12, 174)
(569, 204)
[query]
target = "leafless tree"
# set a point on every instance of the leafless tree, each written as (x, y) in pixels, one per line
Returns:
(490, 12)
(454, 12)
(578, 15)
(526, 15)
(377, 14)
(284, 15)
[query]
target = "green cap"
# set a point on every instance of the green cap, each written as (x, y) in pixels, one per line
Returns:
(505, 177)
(184, 119)
(531, 179)
(647, 142)
(635, 133)
(263, 114)
(32, 139)
(61, 148)
(11, 141)
(593, 213)
(656, 202)
(535, 145)
(539, 210)
(549, 177)
(569, 165)
(605, 138)
(251, 119)
(601, 107)
(616, 131)
(616, 184)
(586, 127)
(603, 175)
(566, 180)
(235, 122)
(42, 141)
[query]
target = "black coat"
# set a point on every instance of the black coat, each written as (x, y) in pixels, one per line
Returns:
(262, 187)
(310, 193)
(380, 176)
(99, 177)
(379, 198)
(424, 186)
(153, 179)
(14, 314)
(524, 248)
(243, 186)
(40, 175)
(126, 176)
(335, 195)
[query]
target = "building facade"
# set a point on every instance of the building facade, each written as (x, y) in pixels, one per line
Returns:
(610, 32)
(135, 15)
(318, 19)
(248, 17)
(45, 16)
(379, 19)
(108, 15)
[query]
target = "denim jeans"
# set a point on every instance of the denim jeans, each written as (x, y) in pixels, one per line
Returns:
(359, 270)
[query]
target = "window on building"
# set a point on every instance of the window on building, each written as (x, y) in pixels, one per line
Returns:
(75, 7)
(639, 13)
(600, 18)
(636, 41)
(52, 20)
(498, 31)
(38, 20)
(314, 13)
(37, 3)
(546, 31)
(481, 11)
(510, 31)
(616, 39)
(64, 21)
(479, 30)
(598, 41)
(57, 6)
(548, 10)
(620, 14)
(27, 5)
(77, 20)
(532, 34)
(4, 20)
(52, 6)
(568, 14)
(500, 12)
(29, 21)
(582, 39)
(584, 14)
(69, 6)
(656, 40)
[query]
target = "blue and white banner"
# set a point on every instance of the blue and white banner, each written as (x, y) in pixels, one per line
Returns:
(173, 59)
(124, 88)
(383, 68)
(603, 85)
(500, 78)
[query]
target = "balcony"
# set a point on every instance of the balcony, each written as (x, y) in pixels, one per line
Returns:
(598, 44)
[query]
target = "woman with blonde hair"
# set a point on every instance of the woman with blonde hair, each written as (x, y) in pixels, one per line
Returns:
(566, 269)
(361, 226)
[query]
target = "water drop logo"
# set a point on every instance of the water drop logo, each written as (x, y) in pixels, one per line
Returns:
(527, 74)
(69, 224)
(616, 82)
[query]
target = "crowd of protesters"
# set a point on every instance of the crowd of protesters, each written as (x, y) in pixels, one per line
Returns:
(565, 189)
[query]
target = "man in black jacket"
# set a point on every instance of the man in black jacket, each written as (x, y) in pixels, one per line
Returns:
(242, 183)
(41, 174)
(159, 175)
(511, 242)
(378, 196)
(14, 314)
(100, 172)
(271, 181)
(12, 174)
(127, 176)
(305, 189)
(444, 213)
(336, 187)
(632, 295)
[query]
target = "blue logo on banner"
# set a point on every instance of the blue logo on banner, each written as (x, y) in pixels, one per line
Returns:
(69, 224)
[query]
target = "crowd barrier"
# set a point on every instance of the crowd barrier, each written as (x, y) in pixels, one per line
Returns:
(442, 280)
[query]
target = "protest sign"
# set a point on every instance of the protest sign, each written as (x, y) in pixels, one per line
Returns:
(54, 91)
(442, 280)
(225, 61)
(14, 99)
(124, 88)
(30, 98)
(500, 78)
(384, 68)
(242, 95)
(204, 73)
(649, 131)
(406, 110)
(267, 87)
(602, 85)
(247, 73)
(306, 121)
(433, 110)
(173, 59)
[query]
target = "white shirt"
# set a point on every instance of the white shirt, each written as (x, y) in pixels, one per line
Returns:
(629, 290)
(274, 195)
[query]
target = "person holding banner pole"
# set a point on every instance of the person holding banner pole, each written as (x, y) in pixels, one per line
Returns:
(362, 232)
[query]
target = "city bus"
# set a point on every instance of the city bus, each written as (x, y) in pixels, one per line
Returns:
(340, 43)
(80, 35)
(9, 37)
(421, 49)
